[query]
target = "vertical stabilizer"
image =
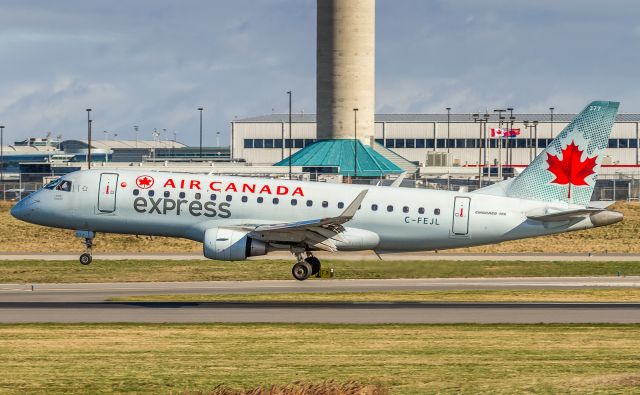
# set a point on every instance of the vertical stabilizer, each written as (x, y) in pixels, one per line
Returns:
(567, 169)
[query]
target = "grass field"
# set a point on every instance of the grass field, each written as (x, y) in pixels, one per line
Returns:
(206, 270)
(19, 236)
(407, 359)
(617, 295)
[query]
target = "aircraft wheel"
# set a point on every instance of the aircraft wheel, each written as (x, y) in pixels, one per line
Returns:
(301, 271)
(315, 264)
(85, 259)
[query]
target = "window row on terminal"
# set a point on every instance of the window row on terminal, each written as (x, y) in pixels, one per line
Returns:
(518, 142)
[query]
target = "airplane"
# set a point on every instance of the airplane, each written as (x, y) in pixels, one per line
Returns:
(240, 217)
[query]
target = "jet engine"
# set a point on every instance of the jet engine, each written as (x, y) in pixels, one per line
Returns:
(231, 245)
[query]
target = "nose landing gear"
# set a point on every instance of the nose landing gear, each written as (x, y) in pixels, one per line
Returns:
(306, 266)
(86, 257)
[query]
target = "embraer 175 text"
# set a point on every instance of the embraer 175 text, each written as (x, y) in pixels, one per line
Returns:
(237, 217)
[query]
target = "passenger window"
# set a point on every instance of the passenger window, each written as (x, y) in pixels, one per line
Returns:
(405, 209)
(276, 200)
(213, 196)
(294, 202)
(325, 204)
(151, 193)
(229, 198)
(64, 186)
(136, 192)
(198, 196)
(436, 211)
(244, 199)
(309, 203)
(390, 208)
(182, 195)
(260, 199)
(374, 207)
(340, 205)
(421, 210)
(166, 194)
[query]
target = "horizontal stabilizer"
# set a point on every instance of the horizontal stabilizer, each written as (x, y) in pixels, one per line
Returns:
(563, 215)
(600, 203)
(597, 216)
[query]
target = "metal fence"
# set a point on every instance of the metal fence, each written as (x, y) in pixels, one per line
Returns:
(621, 187)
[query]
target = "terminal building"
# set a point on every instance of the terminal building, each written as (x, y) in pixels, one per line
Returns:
(33, 159)
(437, 144)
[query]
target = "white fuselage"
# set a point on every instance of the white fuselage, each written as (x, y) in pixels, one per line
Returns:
(186, 205)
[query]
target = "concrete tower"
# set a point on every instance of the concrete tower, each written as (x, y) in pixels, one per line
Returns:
(345, 68)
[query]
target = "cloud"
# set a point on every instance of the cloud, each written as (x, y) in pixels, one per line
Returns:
(153, 62)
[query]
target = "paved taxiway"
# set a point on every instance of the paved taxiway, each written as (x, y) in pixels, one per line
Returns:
(346, 256)
(87, 302)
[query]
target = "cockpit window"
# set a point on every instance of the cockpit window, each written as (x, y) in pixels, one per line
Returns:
(53, 184)
(64, 186)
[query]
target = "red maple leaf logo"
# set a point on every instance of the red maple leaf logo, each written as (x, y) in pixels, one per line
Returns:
(144, 182)
(571, 170)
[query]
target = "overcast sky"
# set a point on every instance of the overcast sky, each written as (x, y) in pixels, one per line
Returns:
(152, 62)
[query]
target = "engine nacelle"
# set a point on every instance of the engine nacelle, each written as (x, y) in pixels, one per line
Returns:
(231, 245)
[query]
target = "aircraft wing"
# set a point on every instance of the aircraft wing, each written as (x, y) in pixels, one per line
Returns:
(320, 233)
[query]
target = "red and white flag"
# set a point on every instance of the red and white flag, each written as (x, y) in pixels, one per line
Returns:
(496, 133)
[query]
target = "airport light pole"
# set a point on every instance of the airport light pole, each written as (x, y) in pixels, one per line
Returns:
(448, 129)
(2, 157)
(290, 139)
(509, 143)
(551, 111)
(200, 109)
(355, 143)
(535, 137)
(529, 133)
(482, 121)
(484, 143)
(135, 129)
(88, 138)
(476, 118)
(500, 138)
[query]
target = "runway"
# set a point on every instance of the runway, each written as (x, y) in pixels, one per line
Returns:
(334, 313)
(72, 303)
(346, 256)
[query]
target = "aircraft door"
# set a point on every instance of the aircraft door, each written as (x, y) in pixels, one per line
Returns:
(107, 192)
(460, 225)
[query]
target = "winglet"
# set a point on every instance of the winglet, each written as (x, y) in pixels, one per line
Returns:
(396, 183)
(350, 211)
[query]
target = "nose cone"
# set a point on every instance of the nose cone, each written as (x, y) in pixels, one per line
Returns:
(16, 211)
(24, 209)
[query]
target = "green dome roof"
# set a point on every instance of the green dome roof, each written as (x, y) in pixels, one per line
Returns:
(339, 153)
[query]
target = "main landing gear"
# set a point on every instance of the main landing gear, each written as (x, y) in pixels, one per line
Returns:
(86, 257)
(306, 266)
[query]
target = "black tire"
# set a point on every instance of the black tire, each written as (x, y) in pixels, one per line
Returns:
(85, 259)
(315, 264)
(301, 271)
